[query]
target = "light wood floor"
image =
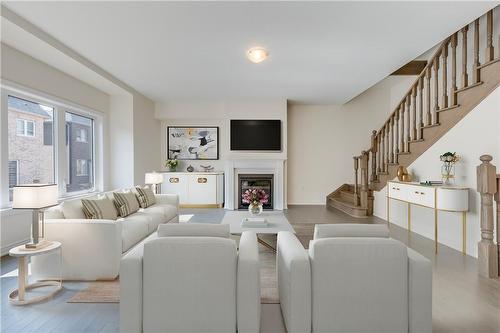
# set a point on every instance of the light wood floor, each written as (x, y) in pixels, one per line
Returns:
(462, 301)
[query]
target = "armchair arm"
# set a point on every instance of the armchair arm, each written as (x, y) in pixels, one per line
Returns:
(169, 199)
(248, 284)
(294, 283)
(91, 250)
(131, 291)
(420, 293)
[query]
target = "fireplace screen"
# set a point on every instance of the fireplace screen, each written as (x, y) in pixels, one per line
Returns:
(264, 182)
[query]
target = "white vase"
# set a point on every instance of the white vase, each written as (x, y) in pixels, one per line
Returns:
(255, 209)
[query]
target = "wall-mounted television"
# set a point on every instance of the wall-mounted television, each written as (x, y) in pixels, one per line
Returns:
(255, 134)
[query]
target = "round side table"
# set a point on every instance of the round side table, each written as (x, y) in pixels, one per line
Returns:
(17, 297)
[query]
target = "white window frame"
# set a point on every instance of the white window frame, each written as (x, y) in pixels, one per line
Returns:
(61, 171)
(25, 127)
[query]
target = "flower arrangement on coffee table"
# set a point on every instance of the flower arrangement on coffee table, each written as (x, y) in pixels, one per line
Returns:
(255, 198)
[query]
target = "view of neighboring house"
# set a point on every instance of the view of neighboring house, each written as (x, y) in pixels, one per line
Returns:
(30, 142)
(31, 150)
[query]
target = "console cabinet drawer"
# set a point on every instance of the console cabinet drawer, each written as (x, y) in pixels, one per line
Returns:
(398, 191)
(420, 195)
(177, 184)
(203, 190)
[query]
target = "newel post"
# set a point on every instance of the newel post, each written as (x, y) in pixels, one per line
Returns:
(356, 188)
(487, 187)
(364, 179)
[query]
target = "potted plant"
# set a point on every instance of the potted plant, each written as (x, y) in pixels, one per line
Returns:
(171, 165)
(448, 169)
(255, 198)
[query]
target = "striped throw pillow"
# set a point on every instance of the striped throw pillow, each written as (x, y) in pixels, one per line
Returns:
(126, 203)
(99, 209)
(146, 196)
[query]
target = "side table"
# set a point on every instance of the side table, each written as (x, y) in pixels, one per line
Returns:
(18, 296)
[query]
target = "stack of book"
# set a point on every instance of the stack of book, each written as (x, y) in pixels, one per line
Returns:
(431, 182)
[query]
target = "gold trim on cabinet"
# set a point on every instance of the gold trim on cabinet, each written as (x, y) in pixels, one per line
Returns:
(174, 180)
(202, 180)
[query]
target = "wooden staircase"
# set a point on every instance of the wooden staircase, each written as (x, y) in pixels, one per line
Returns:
(430, 108)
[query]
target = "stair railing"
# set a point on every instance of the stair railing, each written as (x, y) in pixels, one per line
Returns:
(488, 186)
(430, 94)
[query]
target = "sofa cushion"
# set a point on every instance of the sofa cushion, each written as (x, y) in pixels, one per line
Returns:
(154, 219)
(146, 196)
(126, 203)
(102, 208)
(73, 209)
(134, 228)
(193, 230)
(350, 230)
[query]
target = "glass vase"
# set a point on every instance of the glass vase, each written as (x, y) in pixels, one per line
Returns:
(448, 173)
(255, 209)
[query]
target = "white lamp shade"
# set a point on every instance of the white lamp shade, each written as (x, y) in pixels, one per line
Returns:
(153, 178)
(34, 196)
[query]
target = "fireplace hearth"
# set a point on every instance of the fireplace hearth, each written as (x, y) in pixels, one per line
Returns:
(260, 181)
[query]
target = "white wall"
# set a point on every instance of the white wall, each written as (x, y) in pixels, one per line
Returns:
(219, 114)
(476, 134)
(322, 139)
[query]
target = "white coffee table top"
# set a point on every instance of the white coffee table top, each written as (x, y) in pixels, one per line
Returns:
(276, 219)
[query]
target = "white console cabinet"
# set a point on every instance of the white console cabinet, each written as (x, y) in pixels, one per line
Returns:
(195, 189)
(445, 198)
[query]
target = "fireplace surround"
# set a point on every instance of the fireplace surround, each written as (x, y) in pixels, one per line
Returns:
(259, 181)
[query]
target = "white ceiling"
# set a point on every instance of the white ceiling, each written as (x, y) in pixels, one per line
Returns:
(320, 52)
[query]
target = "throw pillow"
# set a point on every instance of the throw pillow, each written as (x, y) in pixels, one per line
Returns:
(99, 209)
(126, 203)
(146, 196)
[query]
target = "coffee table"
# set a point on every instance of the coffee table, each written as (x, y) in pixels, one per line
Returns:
(276, 219)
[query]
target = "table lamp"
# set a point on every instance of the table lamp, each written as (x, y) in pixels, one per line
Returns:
(154, 178)
(35, 197)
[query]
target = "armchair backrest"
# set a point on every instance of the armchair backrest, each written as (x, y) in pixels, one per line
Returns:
(189, 284)
(350, 230)
(359, 284)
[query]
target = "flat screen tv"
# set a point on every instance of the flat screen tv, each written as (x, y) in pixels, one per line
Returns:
(256, 134)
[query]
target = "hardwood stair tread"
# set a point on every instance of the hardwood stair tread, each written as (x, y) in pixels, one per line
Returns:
(469, 87)
(449, 108)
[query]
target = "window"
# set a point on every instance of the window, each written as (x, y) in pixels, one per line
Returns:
(80, 157)
(82, 168)
(81, 135)
(25, 127)
(30, 161)
(50, 142)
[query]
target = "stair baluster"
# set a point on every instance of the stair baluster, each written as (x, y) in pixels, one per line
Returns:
(490, 54)
(465, 77)
(391, 148)
(397, 116)
(420, 108)
(380, 142)
(374, 150)
(475, 72)
(444, 55)
(406, 147)
(386, 159)
(414, 114)
(356, 190)
(453, 88)
(435, 110)
(428, 120)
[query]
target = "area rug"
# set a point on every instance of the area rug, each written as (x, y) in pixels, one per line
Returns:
(109, 291)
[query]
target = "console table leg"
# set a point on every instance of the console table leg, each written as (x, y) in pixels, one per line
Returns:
(22, 274)
(464, 232)
(409, 217)
(266, 244)
(435, 231)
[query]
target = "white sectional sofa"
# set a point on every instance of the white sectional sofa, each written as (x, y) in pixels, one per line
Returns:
(92, 249)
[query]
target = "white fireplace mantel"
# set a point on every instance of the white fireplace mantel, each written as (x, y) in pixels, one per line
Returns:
(274, 166)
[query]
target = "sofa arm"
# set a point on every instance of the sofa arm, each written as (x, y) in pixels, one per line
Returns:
(131, 291)
(91, 250)
(248, 284)
(294, 283)
(169, 199)
(420, 293)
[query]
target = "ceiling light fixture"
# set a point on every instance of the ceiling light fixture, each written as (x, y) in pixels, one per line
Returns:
(257, 54)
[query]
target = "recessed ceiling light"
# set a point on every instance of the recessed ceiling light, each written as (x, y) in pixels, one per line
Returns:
(257, 54)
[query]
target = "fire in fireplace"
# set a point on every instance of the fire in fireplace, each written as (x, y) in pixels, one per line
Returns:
(260, 181)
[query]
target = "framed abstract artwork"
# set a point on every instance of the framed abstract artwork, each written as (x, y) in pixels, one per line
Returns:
(193, 143)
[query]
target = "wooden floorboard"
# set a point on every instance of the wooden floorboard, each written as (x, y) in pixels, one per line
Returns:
(462, 301)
